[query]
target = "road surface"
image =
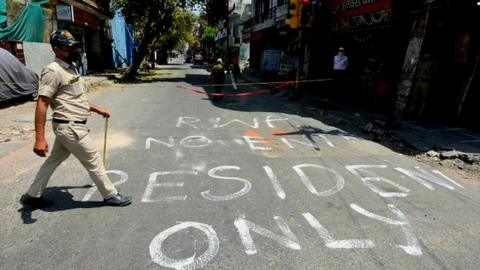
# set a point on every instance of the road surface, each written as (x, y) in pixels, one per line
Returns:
(246, 183)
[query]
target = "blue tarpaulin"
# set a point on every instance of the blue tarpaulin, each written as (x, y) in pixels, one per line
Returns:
(122, 45)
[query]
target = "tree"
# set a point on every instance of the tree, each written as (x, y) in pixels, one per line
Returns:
(152, 19)
(215, 11)
(179, 32)
(208, 37)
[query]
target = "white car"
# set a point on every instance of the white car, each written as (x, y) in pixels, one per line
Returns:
(198, 59)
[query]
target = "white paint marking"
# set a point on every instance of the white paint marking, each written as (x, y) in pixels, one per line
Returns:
(347, 136)
(199, 167)
(152, 184)
(424, 177)
(340, 181)
(171, 142)
(412, 247)
(327, 140)
(187, 120)
(288, 239)
(369, 181)
(218, 125)
(308, 142)
(123, 178)
(239, 141)
(276, 184)
(212, 173)
(189, 263)
(330, 242)
(251, 141)
(178, 155)
(202, 141)
(270, 119)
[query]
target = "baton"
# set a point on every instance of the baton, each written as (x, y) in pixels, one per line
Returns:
(105, 143)
(233, 82)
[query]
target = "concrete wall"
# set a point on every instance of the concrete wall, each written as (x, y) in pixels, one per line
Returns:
(37, 55)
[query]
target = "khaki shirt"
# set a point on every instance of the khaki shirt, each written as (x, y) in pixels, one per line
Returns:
(66, 89)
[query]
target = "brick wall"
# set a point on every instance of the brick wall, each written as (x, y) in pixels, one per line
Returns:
(15, 48)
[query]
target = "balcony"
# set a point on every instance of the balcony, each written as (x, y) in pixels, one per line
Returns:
(264, 20)
(247, 27)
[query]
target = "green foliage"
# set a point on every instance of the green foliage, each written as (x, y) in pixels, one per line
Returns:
(151, 17)
(208, 36)
(179, 32)
(215, 11)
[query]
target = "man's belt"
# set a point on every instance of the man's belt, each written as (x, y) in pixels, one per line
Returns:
(61, 121)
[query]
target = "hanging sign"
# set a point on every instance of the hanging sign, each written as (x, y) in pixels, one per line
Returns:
(348, 15)
(65, 12)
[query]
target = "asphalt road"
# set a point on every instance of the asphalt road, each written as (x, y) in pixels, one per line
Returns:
(245, 183)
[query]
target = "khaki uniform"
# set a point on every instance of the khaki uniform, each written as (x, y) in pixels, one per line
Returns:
(66, 89)
(218, 76)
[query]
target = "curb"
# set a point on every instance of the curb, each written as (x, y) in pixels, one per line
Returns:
(97, 81)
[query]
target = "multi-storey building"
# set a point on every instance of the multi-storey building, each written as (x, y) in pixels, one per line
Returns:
(385, 40)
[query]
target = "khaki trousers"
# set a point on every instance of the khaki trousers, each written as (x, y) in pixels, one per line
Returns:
(73, 139)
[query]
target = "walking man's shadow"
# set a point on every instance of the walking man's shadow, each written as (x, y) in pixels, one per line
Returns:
(61, 199)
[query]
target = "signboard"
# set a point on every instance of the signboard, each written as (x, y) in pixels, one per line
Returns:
(65, 12)
(348, 15)
(271, 60)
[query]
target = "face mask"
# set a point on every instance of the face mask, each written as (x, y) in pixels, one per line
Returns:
(73, 57)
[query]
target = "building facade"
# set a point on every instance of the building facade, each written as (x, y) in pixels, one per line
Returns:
(395, 48)
(86, 19)
(230, 40)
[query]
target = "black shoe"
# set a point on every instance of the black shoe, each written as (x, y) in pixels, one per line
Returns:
(118, 200)
(27, 200)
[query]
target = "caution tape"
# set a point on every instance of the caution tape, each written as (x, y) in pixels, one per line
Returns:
(251, 93)
(281, 83)
(243, 94)
(264, 83)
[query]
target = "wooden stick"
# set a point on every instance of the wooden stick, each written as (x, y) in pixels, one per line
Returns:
(105, 143)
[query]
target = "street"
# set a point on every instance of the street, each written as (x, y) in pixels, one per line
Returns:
(249, 182)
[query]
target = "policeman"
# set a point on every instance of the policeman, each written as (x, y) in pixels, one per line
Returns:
(218, 77)
(63, 89)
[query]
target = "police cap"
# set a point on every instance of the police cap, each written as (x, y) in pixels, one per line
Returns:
(63, 37)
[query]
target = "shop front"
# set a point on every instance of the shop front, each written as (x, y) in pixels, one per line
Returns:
(92, 30)
(366, 31)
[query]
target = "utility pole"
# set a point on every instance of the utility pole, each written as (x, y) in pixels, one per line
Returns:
(410, 63)
(299, 17)
(227, 50)
(300, 60)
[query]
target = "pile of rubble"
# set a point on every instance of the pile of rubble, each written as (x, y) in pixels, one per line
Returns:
(453, 155)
